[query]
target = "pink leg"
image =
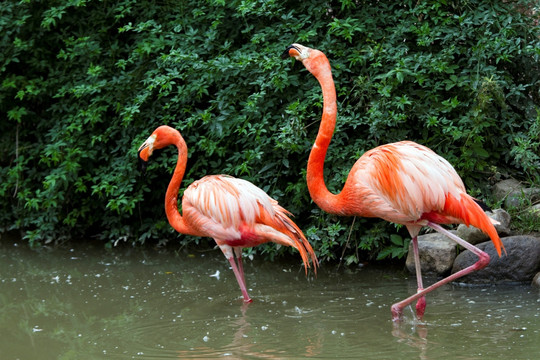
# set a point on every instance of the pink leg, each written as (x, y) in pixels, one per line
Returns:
(421, 303)
(238, 273)
(238, 252)
(482, 262)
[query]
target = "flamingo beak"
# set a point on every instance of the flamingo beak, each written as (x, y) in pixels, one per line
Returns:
(145, 150)
(143, 160)
(287, 53)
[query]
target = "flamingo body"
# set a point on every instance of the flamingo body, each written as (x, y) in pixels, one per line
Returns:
(234, 212)
(403, 182)
(408, 183)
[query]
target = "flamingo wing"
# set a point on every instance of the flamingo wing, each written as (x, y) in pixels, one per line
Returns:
(236, 213)
(227, 200)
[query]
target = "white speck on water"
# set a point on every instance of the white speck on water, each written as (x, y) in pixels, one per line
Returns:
(216, 274)
(205, 338)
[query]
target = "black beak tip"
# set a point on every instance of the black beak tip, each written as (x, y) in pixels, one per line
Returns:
(286, 52)
(142, 164)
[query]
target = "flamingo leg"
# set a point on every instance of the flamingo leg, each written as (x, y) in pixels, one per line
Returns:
(237, 273)
(483, 260)
(238, 252)
(421, 303)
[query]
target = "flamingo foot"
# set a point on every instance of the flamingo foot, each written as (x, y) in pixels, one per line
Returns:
(420, 307)
(397, 309)
(396, 313)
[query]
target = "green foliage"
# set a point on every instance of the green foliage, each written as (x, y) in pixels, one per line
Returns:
(84, 82)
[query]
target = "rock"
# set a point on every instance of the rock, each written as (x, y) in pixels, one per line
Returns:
(474, 235)
(520, 264)
(503, 217)
(471, 234)
(514, 193)
(503, 188)
(534, 210)
(525, 196)
(536, 281)
(437, 253)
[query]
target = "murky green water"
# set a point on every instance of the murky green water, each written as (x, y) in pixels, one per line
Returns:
(91, 304)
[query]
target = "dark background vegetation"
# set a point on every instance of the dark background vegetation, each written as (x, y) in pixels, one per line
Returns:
(84, 82)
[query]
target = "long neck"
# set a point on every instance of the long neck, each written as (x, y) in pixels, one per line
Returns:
(171, 197)
(315, 169)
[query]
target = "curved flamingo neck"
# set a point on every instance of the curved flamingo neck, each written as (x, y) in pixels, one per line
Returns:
(171, 196)
(320, 68)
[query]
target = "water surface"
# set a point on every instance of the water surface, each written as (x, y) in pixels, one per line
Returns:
(86, 303)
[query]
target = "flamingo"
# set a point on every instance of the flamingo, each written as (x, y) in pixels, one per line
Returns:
(234, 212)
(403, 182)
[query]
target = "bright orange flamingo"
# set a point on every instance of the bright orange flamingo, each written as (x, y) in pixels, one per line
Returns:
(234, 212)
(404, 182)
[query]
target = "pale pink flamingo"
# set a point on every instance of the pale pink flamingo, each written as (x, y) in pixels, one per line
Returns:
(234, 212)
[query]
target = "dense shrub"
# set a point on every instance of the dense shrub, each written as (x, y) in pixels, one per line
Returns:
(84, 82)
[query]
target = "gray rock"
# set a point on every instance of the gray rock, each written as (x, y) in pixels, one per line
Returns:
(536, 281)
(504, 218)
(474, 235)
(437, 253)
(515, 194)
(503, 188)
(518, 198)
(534, 210)
(471, 234)
(520, 264)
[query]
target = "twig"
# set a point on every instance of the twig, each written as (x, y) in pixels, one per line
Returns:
(346, 244)
(16, 158)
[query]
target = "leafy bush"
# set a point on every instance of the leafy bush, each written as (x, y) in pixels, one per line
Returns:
(84, 82)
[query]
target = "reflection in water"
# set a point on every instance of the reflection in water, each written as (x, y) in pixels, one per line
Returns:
(413, 334)
(152, 304)
(245, 342)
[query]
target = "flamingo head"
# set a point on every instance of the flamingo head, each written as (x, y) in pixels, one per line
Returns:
(312, 59)
(297, 51)
(160, 138)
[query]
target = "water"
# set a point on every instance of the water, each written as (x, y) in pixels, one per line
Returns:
(132, 304)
